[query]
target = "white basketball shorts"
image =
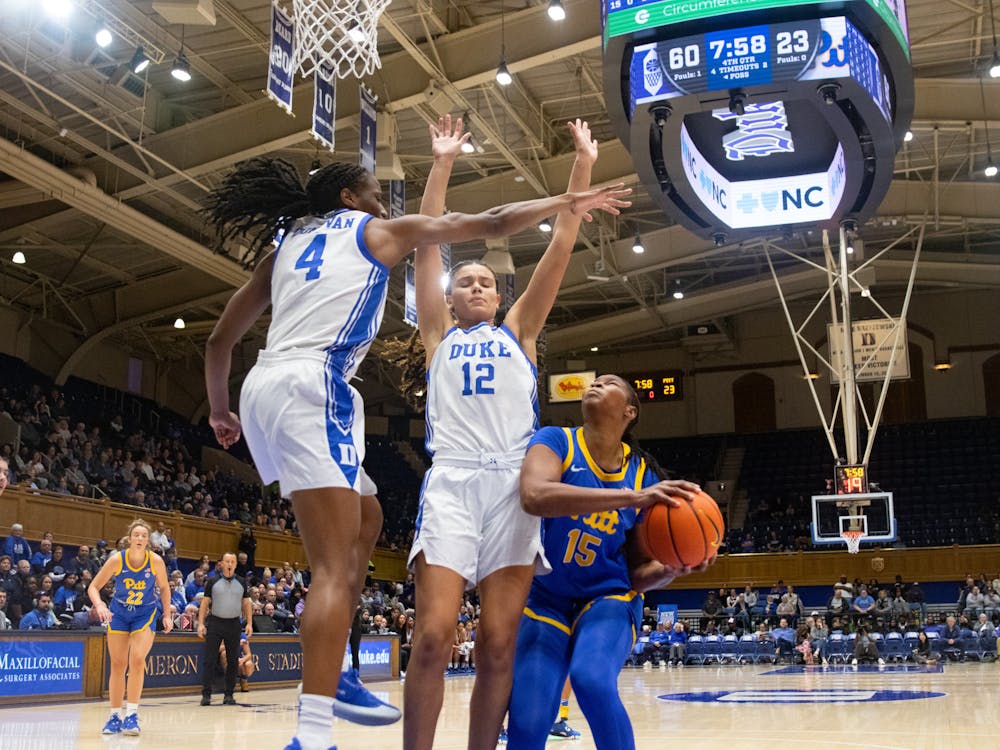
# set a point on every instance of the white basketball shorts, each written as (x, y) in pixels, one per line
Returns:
(471, 520)
(305, 427)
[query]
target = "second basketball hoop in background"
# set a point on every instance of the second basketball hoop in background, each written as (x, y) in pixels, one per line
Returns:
(341, 35)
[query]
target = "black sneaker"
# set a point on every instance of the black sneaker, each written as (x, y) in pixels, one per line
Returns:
(229, 701)
(206, 700)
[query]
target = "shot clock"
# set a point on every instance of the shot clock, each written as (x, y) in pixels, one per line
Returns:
(851, 479)
(761, 114)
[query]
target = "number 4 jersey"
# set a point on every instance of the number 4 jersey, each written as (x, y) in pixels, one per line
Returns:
(587, 553)
(327, 290)
(482, 393)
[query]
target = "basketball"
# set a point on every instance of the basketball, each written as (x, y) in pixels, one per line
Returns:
(684, 536)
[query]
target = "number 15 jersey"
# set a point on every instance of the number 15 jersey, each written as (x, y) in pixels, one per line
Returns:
(587, 553)
(482, 393)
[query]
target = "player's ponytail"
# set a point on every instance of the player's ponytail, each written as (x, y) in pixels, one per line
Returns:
(264, 196)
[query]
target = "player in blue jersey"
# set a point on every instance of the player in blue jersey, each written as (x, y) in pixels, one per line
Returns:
(326, 285)
(482, 407)
(140, 577)
(589, 484)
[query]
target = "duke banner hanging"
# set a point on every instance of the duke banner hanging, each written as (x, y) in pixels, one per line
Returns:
(368, 100)
(410, 296)
(280, 69)
(324, 106)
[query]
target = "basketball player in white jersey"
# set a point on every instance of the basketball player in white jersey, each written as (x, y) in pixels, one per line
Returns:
(304, 423)
(482, 408)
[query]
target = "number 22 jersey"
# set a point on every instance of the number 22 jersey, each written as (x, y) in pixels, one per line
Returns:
(587, 553)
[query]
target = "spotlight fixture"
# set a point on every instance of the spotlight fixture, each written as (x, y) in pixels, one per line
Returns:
(991, 169)
(637, 247)
(103, 36)
(545, 226)
(19, 258)
(866, 292)
(850, 247)
(519, 178)
(181, 69)
(315, 167)
(594, 348)
(504, 78)
(139, 61)
(468, 147)
(678, 292)
(556, 10)
(355, 33)
(908, 136)
(179, 324)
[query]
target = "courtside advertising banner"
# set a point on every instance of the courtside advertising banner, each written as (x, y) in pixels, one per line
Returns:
(397, 198)
(281, 70)
(324, 106)
(569, 386)
(40, 667)
(367, 130)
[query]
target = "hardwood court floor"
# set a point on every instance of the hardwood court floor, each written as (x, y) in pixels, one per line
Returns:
(966, 715)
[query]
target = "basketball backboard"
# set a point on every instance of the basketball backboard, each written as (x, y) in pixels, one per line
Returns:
(871, 512)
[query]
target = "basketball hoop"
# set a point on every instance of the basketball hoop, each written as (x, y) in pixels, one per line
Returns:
(341, 35)
(853, 540)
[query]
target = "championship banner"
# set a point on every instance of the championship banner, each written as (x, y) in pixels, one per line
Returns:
(410, 297)
(873, 342)
(324, 106)
(397, 198)
(508, 291)
(40, 667)
(569, 386)
(367, 130)
(667, 614)
(281, 69)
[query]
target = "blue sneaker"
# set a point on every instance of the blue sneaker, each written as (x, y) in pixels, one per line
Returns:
(130, 726)
(296, 745)
(563, 731)
(114, 725)
(355, 703)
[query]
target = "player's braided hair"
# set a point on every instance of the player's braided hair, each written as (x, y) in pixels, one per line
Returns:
(263, 196)
(632, 442)
(410, 358)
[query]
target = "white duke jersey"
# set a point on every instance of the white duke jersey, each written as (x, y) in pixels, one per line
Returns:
(327, 291)
(482, 393)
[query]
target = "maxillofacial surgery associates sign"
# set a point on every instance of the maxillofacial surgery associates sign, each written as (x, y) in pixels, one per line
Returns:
(40, 667)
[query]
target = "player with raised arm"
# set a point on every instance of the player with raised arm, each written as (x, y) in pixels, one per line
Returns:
(304, 423)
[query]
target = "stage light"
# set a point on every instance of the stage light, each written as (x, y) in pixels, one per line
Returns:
(179, 324)
(504, 78)
(637, 246)
(182, 68)
(103, 37)
(545, 226)
(139, 61)
(556, 10)
(19, 258)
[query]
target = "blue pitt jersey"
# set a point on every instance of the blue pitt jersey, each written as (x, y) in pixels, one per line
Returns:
(327, 290)
(482, 393)
(135, 587)
(587, 552)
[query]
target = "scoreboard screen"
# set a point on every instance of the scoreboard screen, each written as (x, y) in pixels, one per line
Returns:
(851, 479)
(660, 385)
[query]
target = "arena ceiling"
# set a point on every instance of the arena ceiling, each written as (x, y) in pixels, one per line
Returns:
(106, 170)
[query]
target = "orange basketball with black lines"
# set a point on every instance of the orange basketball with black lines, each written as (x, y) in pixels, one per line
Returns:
(684, 536)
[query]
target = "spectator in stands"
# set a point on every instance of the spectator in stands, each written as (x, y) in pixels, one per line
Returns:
(711, 608)
(865, 648)
(82, 562)
(742, 611)
(657, 645)
(4, 474)
(264, 622)
(819, 634)
(56, 567)
(159, 537)
(863, 605)
(66, 593)
(915, 596)
(922, 654)
(243, 569)
(846, 588)
(5, 623)
(975, 603)
(784, 638)
(677, 639)
(16, 546)
(197, 585)
(951, 636)
(900, 607)
(41, 617)
(984, 628)
(883, 606)
(774, 543)
(747, 544)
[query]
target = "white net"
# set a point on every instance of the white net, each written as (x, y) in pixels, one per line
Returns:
(853, 540)
(341, 35)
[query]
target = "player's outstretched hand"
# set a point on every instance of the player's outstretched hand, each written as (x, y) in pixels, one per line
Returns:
(447, 141)
(586, 146)
(227, 428)
(608, 199)
(669, 491)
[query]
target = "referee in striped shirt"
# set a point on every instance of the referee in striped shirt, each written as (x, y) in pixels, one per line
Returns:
(226, 598)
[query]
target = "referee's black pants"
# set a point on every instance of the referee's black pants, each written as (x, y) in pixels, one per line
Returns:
(220, 630)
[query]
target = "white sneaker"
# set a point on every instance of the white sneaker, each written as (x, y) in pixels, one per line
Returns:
(663, 666)
(854, 662)
(881, 662)
(647, 666)
(825, 662)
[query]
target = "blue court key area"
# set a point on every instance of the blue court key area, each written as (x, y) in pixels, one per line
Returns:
(833, 695)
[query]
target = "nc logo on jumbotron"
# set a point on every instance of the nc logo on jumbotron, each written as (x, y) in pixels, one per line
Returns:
(642, 16)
